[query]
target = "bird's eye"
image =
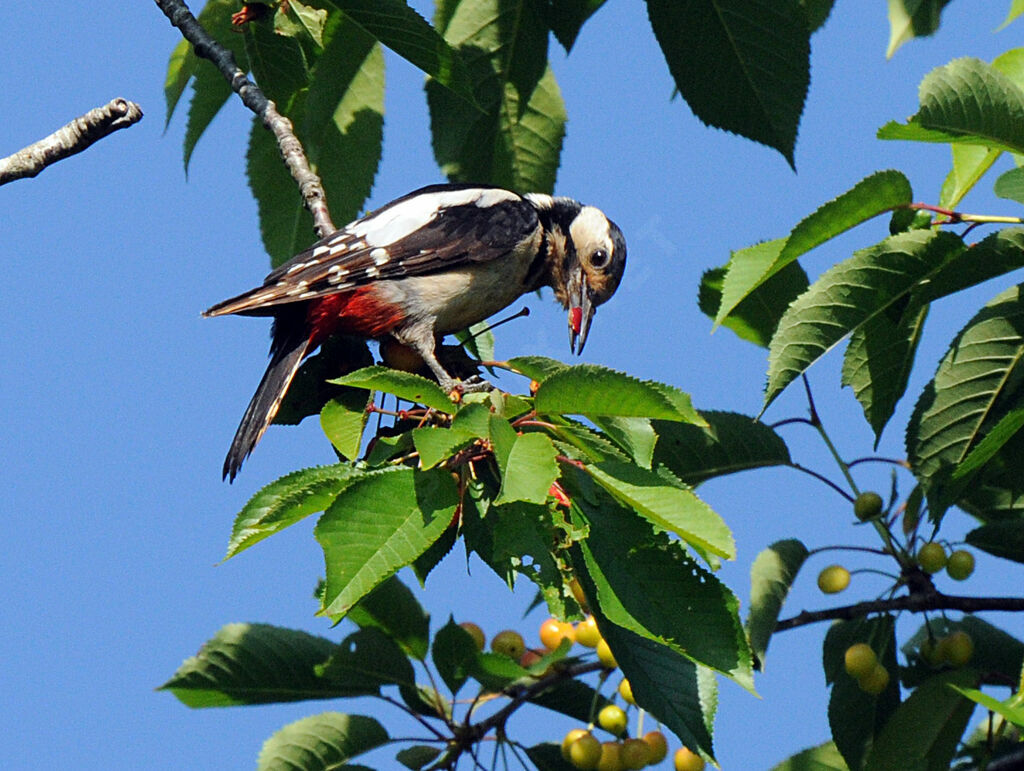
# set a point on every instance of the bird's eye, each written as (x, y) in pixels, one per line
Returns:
(599, 259)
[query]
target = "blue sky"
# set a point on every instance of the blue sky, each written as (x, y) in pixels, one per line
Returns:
(118, 401)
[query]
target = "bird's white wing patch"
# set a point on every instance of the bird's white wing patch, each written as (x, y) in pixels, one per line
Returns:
(396, 222)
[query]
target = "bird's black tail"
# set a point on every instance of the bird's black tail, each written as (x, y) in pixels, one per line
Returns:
(289, 346)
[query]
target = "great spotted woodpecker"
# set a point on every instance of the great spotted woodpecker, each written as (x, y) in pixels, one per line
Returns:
(427, 264)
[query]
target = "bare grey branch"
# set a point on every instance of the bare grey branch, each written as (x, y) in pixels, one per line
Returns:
(70, 139)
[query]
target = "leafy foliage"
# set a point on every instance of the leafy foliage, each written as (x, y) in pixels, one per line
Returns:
(586, 484)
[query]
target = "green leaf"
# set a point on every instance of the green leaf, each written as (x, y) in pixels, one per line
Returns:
(342, 120)
(343, 421)
(848, 295)
(715, 51)
(366, 660)
(968, 102)
(969, 165)
(996, 440)
(278, 62)
(478, 340)
(409, 35)
(1016, 9)
(453, 653)
(757, 315)
(571, 697)
(730, 443)
(912, 18)
(529, 471)
(180, 68)
(496, 671)
(436, 443)
(424, 700)
(254, 664)
(548, 757)
(378, 525)
(321, 742)
(392, 608)
(518, 538)
(286, 227)
(210, 91)
(925, 730)
(667, 503)
(771, 576)
(749, 268)
(1001, 539)
(995, 255)
(824, 757)
(339, 121)
(879, 358)
(1010, 185)
(538, 368)
(1008, 709)
(817, 12)
(297, 16)
(288, 500)
(977, 383)
(656, 590)
(634, 435)
(856, 717)
(417, 756)
(587, 389)
(404, 385)
(679, 693)
(514, 138)
(566, 17)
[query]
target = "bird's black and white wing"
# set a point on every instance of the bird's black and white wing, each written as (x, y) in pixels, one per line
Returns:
(431, 230)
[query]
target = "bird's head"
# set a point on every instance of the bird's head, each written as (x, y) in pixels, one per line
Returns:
(595, 258)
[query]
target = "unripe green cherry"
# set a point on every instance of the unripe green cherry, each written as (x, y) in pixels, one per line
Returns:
(859, 660)
(611, 757)
(626, 691)
(875, 681)
(585, 752)
(868, 506)
(509, 643)
(475, 632)
(612, 719)
(833, 579)
(959, 648)
(658, 744)
(931, 557)
(569, 739)
(635, 754)
(960, 565)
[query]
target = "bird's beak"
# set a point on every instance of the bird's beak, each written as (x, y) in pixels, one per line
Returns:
(581, 311)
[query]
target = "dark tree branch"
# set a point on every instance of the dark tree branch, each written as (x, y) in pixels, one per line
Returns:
(310, 187)
(71, 139)
(916, 602)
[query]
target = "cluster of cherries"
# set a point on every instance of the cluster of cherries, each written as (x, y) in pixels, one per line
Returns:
(581, 747)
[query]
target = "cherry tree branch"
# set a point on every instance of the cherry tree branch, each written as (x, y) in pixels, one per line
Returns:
(916, 602)
(310, 187)
(70, 139)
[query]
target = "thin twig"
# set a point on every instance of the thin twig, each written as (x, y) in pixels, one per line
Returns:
(822, 478)
(310, 187)
(915, 603)
(70, 139)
